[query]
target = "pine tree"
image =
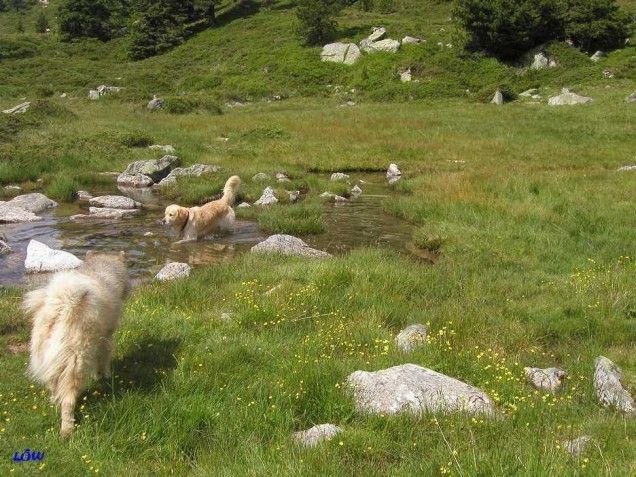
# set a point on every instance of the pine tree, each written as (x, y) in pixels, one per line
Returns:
(316, 20)
(86, 18)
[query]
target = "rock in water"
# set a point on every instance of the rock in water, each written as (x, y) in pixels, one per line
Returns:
(156, 103)
(114, 202)
(267, 198)
(549, 379)
(498, 98)
(14, 215)
(84, 196)
(347, 53)
(393, 171)
(356, 191)
(156, 169)
(134, 180)
(34, 202)
(109, 213)
(41, 258)
(338, 176)
(287, 245)
(4, 248)
(576, 447)
(415, 389)
(610, 391)
(566, 98)
(411, 337)
(174, 271)
(317, 434)
(19, 109)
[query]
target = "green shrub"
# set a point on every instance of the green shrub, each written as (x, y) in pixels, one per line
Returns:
(596, 24)
(62, 188)
(136, 139)
(316, 22)
(185, 105)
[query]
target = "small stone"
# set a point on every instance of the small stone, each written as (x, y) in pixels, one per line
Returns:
(405, 76)
(195, 170)
(388, 46)
(608, 74)
(156, 103)
(631, 98)
(109, 213)
(174, 271)
(627, 168)
(411, 40)
(243, 205)
(393, 170)
(156, 169)
(599, 55)
(610, 391)
(5, 249)
(411, 337)
(149, 234)
(287, 245)
(93, 94)
(529, 93)
(317, 434)
(267, 198)
(42, 258)
(356, 191)
(567, 98)
(226, 317)
(261, 177)
(378, 34)
(541, 61)
(294, 195)
(333, 197)
(338, 176)
(498, 98)
(548, 379)
(19, 109)
(577, 447)
(114, 202)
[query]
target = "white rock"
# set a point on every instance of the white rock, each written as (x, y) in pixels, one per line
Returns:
(566, 98)
(378, 34)
(405, 76)
(19, 109)
(4, 248)
(599, 55)
(243, 205)
(529, 93)
(155, 103)
(41, 258)
(174, 271)
(356, 191)
(610, 391)
(34, 202)
(411, 337)
(577, 447)
(388, 45)
(415, 389)
(287, 245)
(317, 434)
(109, 213)
(347, 53)
(338, 176)
(548, 379)
(393, 170)
(498, 98)
(261, 177)
(294, 195)
(281, 177)
(541, 61)
(156, 169)
(84, 195)
(227, 317)
(631, 98)
(267, 198)
(334, 197)
(165, 148)
(93, 94)
(195, 170)
(411, 40)
(114, 202)
(134, 180)
(13, 215)
(627, 168)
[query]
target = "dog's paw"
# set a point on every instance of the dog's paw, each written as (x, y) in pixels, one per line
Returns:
(66, 431)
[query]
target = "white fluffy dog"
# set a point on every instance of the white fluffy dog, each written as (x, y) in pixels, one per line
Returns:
(74, 318)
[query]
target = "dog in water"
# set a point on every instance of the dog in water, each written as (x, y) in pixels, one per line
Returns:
(74, 318)
(195, 222)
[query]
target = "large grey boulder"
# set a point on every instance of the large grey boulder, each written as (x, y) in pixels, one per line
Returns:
(34, 202)
(609, 390)
(387, 45)
(134, 180)
(156, 103)
(114, 202)
(156, 169)
(174, 271)
(287, 245)
(567, 98)
(548, 379)
(13, 215)
(19, 109)
(415, 389)
(317, 434)
(411, 337)
(378, 34)
(42, 258)
(267, 198)
(195, 170)
(347, 53)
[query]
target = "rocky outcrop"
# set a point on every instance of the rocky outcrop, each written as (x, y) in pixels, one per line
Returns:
(317, 434)
(114, 202)
(548, 379)
(34, 202)
(42, 258)
(287, 245)
(412, 388)
(195, 170)
(174, 271)
(347, 53)
(19, 109)
(609, 390)
(567, 98)
(13, 215)
(156, 169)
(267, 198)
(411, 337)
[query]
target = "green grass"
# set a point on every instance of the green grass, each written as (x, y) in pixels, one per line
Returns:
(536, 267)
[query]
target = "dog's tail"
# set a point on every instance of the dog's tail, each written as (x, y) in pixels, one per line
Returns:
(230, 189)
(33, 301)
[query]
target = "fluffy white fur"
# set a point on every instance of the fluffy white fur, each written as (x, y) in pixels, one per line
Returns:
(74, 318)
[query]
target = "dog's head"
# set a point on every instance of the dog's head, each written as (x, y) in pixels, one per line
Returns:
(175, 216)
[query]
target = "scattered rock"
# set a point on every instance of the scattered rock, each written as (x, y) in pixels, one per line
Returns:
(165, 148)
(110, 213)
(196, 170)
(610, 391)
(405, 76)
(334, 197)
(243, 205)
(149, 234)
(541, 61)
(261, 177)
(393, 170)
(226, 317)
(627, 168)
(93, 94)
(174, 271)
(114, 202)
(12, 215)
(134, 180)
(548, 379)
(498, 98)
(388, 45)
(608, 74)
(84, 195)
(338, 176)
(409, 40)
(529, 93)
(287, 245)
(631, 98)
(156, 169)
(566, 98)
(317, 434)
(393, 179)
(267, 198)
(356, 191)
(347, 53)
(19, 109)
(415, 389)
(280, 177)
(156, 103)
(378, 34)
(599, 55)
(294, 195)
(4, 248)
(34, 202)
(577, 447)
(411, 337)
(42, 258)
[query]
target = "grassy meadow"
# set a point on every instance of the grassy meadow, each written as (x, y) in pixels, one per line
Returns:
(532, 223)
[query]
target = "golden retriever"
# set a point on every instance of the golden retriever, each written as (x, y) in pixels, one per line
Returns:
(195, 222)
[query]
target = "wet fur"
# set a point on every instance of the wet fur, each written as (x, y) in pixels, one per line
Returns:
(195, 222)
(74, 318)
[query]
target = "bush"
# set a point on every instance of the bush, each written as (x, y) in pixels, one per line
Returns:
(185, 105)
(136, 139)
(317, 24)
(86, 18)
(596, 24)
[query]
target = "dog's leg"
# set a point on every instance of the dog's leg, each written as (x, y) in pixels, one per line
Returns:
(105, 358)
(68, 388)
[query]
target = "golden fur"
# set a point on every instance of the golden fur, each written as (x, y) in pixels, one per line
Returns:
(74, 318)
(195, 222)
